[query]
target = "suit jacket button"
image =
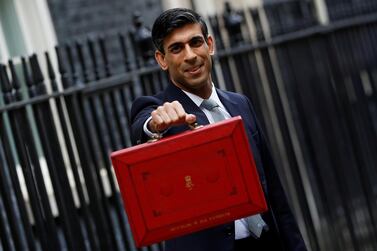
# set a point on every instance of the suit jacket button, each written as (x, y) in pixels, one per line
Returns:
(229, 231)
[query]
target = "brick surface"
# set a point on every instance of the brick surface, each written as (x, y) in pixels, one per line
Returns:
(77, 19)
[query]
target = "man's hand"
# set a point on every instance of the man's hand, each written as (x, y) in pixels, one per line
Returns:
(169, 114)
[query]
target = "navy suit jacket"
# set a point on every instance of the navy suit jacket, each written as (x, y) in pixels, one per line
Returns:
(221, 238)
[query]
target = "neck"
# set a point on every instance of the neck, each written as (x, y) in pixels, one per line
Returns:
(204, 93)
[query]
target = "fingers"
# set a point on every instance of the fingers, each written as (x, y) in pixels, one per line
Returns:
(190, 118)
(169, 114)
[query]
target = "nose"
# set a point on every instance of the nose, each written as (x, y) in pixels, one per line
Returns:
(190, 54)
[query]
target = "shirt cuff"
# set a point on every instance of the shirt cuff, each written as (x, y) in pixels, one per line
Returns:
(150, 134)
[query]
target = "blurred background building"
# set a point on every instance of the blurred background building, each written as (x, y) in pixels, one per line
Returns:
(70, 69)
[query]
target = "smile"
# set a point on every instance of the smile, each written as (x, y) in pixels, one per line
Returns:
(194, 70)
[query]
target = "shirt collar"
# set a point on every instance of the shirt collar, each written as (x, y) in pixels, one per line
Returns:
(198, 100)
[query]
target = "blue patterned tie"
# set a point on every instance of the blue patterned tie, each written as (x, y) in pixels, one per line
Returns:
(255, 223)
(214, 109)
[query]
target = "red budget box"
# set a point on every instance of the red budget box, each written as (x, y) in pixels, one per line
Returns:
(188, 182)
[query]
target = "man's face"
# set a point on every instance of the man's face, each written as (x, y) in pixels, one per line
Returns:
(187, 58)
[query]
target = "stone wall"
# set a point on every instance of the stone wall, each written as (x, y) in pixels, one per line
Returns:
(76, 19)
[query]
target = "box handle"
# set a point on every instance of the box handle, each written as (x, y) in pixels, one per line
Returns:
(157, 136)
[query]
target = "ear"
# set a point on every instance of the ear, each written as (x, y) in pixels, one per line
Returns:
(211, 45)
(160, 58)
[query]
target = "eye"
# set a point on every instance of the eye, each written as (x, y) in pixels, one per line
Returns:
(197, 42)
(175, 48)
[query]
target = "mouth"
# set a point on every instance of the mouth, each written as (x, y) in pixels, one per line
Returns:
(194, 70)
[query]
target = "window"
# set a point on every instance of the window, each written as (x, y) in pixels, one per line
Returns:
(25, 28)
(11, 39)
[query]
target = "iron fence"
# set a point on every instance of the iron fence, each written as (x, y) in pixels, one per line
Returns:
(314, 89)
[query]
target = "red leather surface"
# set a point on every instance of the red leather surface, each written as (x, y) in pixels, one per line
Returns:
(188, 182)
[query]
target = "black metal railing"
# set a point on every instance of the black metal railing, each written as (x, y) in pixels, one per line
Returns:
(313, 87)
(340, 9)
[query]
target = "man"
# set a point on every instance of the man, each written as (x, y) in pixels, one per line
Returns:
(184, 50)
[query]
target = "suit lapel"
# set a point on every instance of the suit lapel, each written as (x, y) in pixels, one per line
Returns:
(230, 105)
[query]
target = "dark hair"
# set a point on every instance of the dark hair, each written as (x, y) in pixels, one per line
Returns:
(172, 19)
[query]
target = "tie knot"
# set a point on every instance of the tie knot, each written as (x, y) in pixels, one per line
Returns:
(209, 104)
